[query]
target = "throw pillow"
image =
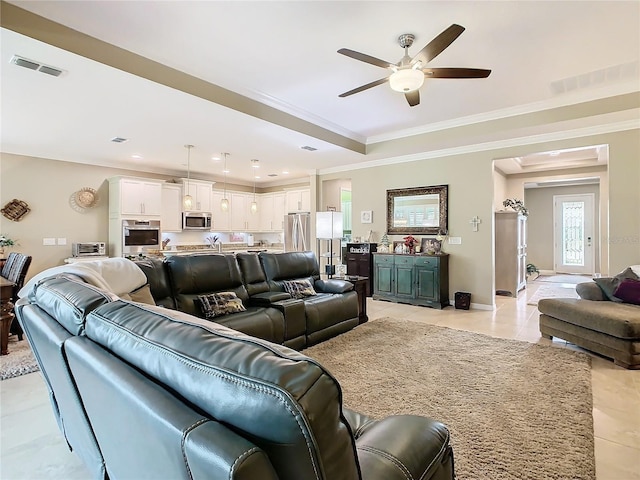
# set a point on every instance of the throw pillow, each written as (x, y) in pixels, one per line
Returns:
(609, 284)
(142, 295)
(218, 304)
(298, 288)
(629, 291)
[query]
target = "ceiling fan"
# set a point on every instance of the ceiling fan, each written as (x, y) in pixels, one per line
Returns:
(408, 74)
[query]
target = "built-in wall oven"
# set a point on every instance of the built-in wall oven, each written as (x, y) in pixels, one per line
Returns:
(140, 236)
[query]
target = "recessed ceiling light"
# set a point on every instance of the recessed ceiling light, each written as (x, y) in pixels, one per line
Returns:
(255, 163)
(285, 172)
(257, 176)
(119, 140)
(225, 171)
(215, 158)
(135, 155)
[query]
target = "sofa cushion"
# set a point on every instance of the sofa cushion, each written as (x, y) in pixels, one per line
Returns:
(609, 284)
(218, 304)
(590, 291)
(616, 319)
(193, 275)
(288, 266)
(629, 291)
(140, 295)
(298, 288)
(254, 279)
(69, 301)
(158, 279)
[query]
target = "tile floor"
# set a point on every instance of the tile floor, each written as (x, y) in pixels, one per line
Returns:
(32, 448)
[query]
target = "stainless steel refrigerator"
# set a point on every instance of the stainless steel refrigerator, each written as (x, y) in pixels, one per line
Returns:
(297, 232)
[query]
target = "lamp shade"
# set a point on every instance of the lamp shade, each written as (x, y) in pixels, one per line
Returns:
(406, 80)
(328, 225)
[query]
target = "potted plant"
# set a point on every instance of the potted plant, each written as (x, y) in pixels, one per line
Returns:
(5, 242)
(517, 205)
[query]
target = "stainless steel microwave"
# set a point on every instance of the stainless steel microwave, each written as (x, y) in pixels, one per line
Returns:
(196, 220)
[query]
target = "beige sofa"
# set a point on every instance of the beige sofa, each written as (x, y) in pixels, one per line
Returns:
(597, 321)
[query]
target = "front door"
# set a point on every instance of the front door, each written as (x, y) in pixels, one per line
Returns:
(574, 233)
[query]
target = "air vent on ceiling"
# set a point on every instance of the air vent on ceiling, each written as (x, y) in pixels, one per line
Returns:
(272, 175)
(307, 147)
(31, 65)
(596, 78)
(119, 139)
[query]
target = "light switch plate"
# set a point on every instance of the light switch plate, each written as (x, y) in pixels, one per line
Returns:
(62, 241)
(455, 240)
(48, 241)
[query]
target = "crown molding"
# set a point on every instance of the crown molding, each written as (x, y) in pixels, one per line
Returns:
(493, 145)
(551, 103)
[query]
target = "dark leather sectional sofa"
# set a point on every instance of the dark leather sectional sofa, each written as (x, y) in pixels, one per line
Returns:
(257, 279)
(144, 391)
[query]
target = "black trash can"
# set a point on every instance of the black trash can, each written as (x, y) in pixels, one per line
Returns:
(462, 300)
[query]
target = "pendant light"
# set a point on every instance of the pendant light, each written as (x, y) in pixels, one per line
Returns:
(187, 200)
(224, 203)
(254, 205)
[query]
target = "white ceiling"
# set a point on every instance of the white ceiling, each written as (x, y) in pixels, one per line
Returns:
(284, 54)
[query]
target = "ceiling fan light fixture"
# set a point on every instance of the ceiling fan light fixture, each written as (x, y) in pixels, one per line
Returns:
(406, 80)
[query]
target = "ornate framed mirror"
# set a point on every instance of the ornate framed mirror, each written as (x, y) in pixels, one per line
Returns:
(419, 210)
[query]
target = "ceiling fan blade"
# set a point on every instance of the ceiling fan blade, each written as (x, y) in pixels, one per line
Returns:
(365, 87)
(456, 72)
(413, 98)
(438, 44)
(366, 58)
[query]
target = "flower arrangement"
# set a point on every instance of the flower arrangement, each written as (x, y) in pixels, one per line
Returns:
(517, 205)
(410, 242)
(6, 241)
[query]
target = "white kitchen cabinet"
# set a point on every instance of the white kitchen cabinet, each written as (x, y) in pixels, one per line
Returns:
(279, 211)
(135, 197)
(272, 210)
(220, 219)
(201, 193)
(171, 220)
(298, 200)
(242, 220)
(266, 212)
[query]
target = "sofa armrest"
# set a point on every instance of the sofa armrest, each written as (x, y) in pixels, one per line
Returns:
(405, 446)
(333, 285)
(266, 299)
(590, 291)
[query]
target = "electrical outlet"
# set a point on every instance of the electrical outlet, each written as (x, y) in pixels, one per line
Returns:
(455, 240)
(62, 241)
(48, 241)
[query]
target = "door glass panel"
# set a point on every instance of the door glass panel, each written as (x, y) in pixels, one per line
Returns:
(573, 233)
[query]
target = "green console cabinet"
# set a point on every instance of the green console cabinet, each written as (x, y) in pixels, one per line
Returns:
(415, 279)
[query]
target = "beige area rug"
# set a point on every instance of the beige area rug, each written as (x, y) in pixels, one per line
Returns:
(19, 361)
(563, 278)
(515, 410)
(551, 291)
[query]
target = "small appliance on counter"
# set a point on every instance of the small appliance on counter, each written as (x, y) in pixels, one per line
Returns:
(89, 249)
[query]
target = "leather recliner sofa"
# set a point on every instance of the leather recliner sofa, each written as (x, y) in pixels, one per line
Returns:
(142, 391)
(257, 279)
